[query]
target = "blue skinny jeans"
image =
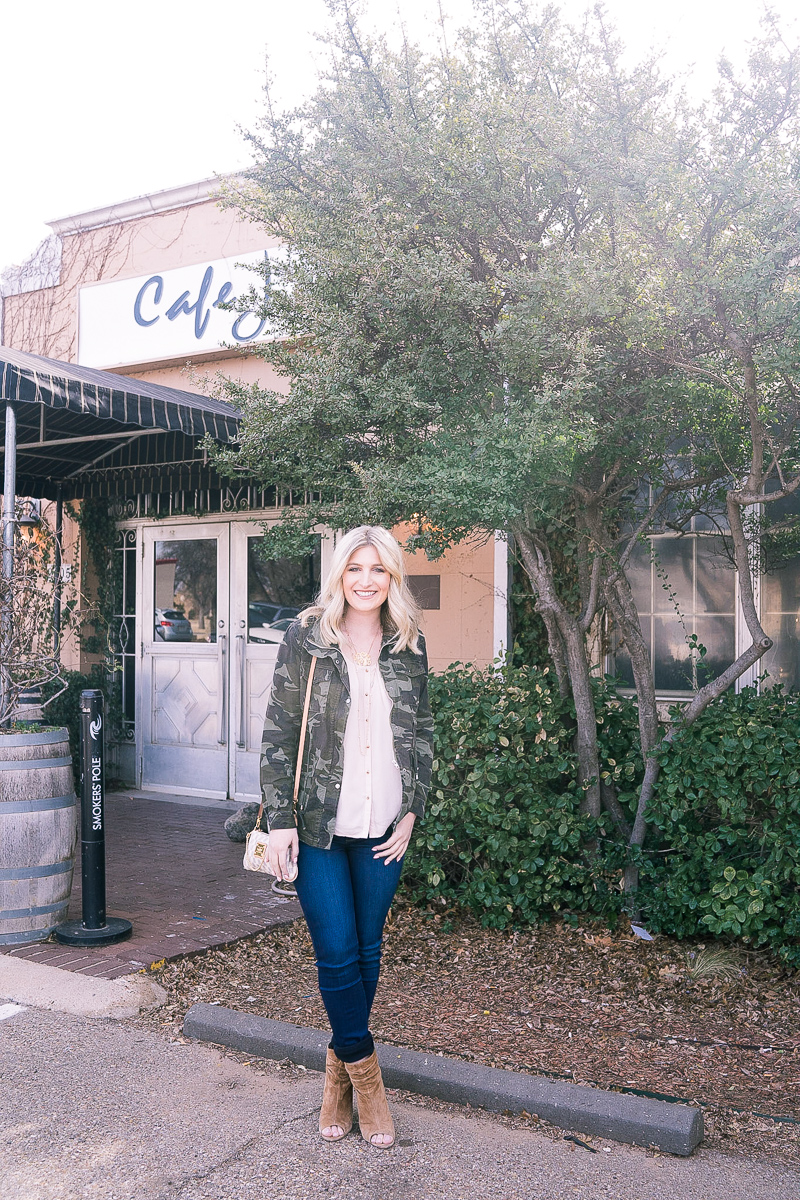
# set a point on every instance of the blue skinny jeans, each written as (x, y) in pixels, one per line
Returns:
(345, 894)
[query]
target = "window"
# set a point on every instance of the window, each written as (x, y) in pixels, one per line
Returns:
(123, 632)
(780, 618)
(426, 590)
(683, 586)
(186, 591)
(780, 600)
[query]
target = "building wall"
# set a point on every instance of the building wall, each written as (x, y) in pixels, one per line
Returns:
(76, 581)
(136, 241)
(461, 629)
(44, 320)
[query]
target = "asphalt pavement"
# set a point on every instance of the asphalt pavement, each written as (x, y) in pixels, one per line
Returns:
(94, 1109)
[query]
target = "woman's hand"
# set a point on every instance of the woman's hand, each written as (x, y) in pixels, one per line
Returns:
(283, 844)
(395, 846)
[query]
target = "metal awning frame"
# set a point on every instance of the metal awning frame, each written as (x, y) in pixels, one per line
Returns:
(26, 379)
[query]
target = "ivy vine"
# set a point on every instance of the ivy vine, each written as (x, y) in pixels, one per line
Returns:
(100, 629)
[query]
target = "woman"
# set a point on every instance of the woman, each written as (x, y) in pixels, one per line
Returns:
(366, 772)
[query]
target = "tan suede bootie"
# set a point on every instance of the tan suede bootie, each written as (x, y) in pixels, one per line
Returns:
(337, 1099)
(373, 1111)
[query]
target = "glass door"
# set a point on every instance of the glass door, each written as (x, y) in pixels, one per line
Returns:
(185, 688)
(214, 613)
(266, 595)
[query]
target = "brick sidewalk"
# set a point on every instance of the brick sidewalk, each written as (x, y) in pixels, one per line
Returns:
(172, 871)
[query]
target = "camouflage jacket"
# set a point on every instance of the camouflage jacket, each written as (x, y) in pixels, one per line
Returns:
(406, 678)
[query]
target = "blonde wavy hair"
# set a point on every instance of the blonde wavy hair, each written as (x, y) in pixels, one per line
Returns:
(400, 614)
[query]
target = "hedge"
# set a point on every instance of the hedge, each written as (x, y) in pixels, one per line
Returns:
(503, 834)
(726, 825)
(65, 708)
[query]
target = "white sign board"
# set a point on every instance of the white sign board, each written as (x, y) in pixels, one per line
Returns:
(170, 314)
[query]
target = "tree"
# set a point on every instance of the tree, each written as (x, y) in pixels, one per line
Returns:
(715, 211)
(476, 327)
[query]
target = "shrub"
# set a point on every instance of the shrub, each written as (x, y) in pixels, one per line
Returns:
(725, 857)
(503, 834)
(65, 709)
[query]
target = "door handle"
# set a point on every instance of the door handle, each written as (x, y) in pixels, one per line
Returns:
(241, 663)
(222, 737)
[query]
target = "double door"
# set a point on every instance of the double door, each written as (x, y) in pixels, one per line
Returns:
(213, 616)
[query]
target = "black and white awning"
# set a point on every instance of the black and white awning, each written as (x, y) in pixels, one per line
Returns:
(93, 433)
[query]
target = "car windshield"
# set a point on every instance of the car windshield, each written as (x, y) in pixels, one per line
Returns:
(171, 615)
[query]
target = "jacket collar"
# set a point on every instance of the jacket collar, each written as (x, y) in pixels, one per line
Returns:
(315, 645)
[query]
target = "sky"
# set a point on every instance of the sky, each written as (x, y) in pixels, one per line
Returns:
(102, 102)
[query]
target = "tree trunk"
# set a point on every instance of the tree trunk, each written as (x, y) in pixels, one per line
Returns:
(626, 618)
(567, 644)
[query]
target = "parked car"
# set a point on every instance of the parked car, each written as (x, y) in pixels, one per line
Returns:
(172, 626)
(262, 613)
(270, 633)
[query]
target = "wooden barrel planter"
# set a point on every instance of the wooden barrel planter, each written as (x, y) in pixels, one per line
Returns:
(38, 834)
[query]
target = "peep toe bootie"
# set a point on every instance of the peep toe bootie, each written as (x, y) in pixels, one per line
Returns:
(373, 1111)
(337, 1099)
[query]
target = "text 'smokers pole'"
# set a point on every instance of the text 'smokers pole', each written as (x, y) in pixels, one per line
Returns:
(95, 929)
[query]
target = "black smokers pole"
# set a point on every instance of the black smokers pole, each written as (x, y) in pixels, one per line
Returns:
(95, 929)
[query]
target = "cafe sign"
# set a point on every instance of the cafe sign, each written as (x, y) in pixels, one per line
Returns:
(170, 314)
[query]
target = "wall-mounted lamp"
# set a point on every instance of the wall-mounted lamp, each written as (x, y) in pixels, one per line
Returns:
(30, 516)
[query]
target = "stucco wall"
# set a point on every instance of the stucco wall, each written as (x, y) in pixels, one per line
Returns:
(45, 321)
(460, 630)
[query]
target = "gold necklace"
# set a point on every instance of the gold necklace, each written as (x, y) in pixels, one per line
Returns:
(361, 658)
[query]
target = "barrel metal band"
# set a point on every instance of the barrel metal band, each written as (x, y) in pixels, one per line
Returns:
(39, 910)
(22, 806)
(29, 764)
(29, 936)
(60, 868)
(50, 738)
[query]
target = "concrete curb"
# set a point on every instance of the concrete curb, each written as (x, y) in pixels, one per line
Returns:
(41, 986)
(674, 1128)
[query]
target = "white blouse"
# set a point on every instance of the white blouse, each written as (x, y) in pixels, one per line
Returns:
(372, 790)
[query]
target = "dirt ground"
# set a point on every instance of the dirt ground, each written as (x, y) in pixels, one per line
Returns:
(705, 1023)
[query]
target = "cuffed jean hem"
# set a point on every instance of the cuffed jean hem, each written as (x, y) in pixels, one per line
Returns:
(354, 1053)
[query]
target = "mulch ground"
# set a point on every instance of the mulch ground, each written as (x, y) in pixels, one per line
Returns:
(700, 1022)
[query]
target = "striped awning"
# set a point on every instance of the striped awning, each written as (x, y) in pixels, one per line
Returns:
(96, 433)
